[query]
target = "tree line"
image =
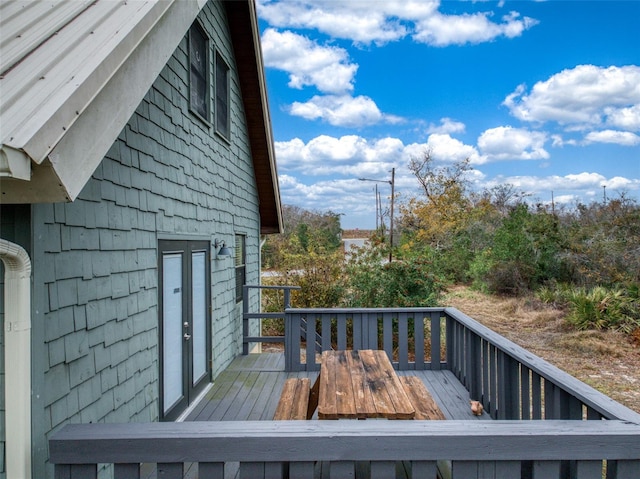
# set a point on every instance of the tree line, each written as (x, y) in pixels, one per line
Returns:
(585, 258)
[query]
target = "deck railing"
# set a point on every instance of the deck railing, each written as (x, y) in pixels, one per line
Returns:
(511, 382)
(248, 316)
(538, 431)
(344, 449)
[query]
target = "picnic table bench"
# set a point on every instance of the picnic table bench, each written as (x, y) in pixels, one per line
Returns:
(356, 384)
(422, 401)
(298, 400)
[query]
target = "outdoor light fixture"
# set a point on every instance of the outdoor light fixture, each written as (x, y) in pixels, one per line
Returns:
(224, 251)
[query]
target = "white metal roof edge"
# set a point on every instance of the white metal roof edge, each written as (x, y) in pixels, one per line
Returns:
(47, 91)
(71, 156)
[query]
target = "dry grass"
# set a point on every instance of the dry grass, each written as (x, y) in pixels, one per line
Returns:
(607, 360)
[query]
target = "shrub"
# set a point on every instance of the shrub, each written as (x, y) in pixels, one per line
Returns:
(375, 283)
(524, 254)
(510, 277)
(603, 308)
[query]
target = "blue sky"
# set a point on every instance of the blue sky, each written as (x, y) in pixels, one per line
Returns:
(543, 95)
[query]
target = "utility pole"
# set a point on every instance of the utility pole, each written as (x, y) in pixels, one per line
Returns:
(393, 184)
(393, 192)
(379, 221)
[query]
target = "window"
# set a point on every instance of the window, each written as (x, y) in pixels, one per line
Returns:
(199, 75)
(241, 273)
(222, 96)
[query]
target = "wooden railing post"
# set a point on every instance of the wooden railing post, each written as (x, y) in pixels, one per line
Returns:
(287, 298)
(436, 346)
(291, 341)
(245, 319)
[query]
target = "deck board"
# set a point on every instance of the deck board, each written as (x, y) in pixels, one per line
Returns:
(250, 387)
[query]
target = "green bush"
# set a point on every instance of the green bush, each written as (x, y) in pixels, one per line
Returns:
(554, 293)
(525, 253)
(375, 283)
(320, 276)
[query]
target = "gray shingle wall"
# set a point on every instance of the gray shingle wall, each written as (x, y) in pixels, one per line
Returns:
(168, 174)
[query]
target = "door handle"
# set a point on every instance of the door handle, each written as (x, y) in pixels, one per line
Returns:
(187, 336)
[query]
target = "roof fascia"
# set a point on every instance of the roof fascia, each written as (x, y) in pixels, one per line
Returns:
(244, 20)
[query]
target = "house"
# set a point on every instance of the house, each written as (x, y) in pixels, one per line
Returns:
(137, 175)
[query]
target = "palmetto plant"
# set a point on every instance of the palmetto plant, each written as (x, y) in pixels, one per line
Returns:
(602, 308)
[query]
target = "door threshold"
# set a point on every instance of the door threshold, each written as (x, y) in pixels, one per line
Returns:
(193, 405)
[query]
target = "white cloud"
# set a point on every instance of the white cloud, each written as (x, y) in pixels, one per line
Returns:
(354, 198)
(572, 187)
(624, 118)
(582, 97)
(362, 22)
(443, 30)
(447, 149)
(624, 138)
(559, 141)
(447, 125)
(307, 63)
(620, 184)
(366, 22)
(508, 143)
(349, 155)
(343, 110)
(323, 173)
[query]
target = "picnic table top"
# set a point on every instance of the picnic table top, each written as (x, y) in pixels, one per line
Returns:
(361, 384)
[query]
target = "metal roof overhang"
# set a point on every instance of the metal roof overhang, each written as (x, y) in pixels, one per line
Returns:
(73, 73)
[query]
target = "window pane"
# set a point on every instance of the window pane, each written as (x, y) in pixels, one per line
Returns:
(239, 250)
(199, 84)
(240, 259)
(199, 95)
(198, 51)
(222, 96)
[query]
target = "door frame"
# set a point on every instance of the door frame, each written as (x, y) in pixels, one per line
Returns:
(190, 391)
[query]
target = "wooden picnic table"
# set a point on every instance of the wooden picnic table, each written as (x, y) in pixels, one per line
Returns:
(361, 384)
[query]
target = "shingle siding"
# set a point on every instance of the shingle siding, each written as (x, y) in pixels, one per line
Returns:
(167, 175)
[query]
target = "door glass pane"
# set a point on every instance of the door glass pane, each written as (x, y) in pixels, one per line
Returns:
(199, 296)
(172, 328)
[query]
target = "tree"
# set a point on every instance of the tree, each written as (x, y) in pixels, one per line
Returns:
(445, 202)
(438, 224)
(305, 232)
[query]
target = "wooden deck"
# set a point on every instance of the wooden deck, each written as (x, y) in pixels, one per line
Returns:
(249, 389)
(547, 423)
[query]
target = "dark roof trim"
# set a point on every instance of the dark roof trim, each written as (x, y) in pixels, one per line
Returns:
(245, 36)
